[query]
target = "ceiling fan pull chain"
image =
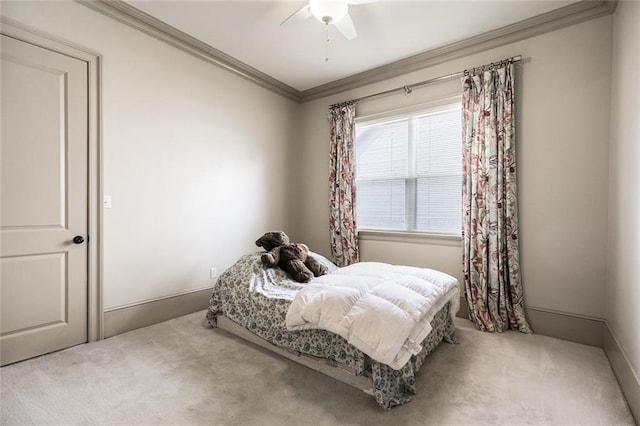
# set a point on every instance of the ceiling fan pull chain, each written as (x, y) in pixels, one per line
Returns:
(326, 57)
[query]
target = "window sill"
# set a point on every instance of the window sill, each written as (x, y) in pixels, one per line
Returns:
(411, 237)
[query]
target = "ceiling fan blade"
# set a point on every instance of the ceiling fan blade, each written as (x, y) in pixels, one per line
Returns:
(297, 16)
(346, 27)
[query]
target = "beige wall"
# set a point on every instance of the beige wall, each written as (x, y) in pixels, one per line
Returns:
(623, 307)
(562, 139)
(195, 158)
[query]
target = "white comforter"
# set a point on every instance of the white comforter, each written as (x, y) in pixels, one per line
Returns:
(383, 310)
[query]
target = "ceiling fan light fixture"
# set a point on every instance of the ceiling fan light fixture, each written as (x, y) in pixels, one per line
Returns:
(328, 11)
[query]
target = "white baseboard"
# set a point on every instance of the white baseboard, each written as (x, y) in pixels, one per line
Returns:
(627, 378)
(566, 326)
(561, 325)
(121, 320)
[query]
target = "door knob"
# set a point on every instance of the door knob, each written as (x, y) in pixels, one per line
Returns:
(78, 239)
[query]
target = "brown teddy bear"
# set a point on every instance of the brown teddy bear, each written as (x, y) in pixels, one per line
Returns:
(293, 258)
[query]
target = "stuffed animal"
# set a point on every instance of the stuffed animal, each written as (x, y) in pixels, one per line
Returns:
(293, 258)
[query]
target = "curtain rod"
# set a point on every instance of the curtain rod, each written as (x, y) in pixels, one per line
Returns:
(407, 89)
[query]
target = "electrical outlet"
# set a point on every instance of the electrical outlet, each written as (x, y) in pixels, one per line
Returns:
(213, 273)
(107, 201)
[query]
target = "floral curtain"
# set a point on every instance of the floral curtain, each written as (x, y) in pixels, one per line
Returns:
(491, 262)
(342, 185)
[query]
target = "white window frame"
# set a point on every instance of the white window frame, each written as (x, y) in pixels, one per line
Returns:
(406, 235)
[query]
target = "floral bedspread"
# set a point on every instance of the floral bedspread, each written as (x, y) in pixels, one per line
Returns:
(258, 298)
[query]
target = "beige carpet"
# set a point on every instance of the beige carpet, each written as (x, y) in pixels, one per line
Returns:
(181, 372)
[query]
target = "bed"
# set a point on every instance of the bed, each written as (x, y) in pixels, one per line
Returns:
(252, 301)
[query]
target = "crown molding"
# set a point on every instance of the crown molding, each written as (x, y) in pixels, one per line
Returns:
(540, 24)
(550, 21)
(129, 15)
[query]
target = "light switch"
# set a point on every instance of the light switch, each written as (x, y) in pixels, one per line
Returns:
(107, 201)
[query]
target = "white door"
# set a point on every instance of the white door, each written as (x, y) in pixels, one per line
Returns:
(43, 160)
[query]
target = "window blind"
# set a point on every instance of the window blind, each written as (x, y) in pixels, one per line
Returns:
(409, 174)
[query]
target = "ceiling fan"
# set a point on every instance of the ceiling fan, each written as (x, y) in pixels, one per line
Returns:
(329, 12)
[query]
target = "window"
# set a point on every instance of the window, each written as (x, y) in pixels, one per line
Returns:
(409, 172)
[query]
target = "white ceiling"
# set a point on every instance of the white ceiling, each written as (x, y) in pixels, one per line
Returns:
(387, 31)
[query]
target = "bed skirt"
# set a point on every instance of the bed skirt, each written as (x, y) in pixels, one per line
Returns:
(265, 317)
